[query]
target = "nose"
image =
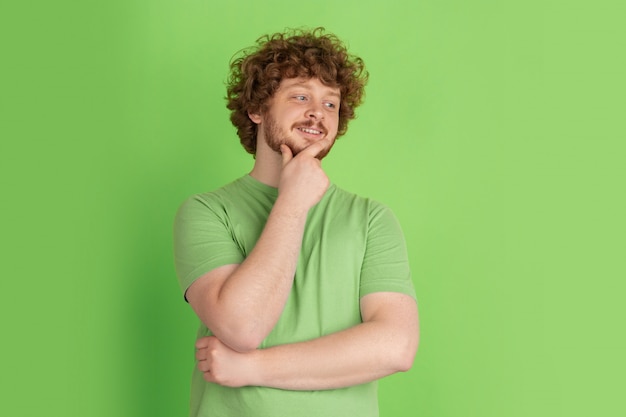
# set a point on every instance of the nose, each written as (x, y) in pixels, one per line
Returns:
(315, 111)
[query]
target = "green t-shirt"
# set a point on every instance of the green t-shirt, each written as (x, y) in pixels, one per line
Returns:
(352, 246)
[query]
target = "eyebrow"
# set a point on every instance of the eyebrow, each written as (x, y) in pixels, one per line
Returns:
(301, 84)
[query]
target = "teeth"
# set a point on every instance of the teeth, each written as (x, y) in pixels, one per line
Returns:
(311, 131)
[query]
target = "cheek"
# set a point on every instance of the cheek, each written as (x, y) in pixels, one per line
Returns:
(334, 122)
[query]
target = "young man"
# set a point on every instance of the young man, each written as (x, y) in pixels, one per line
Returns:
(303, 289)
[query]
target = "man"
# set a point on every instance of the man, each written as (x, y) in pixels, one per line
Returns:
(303, 289)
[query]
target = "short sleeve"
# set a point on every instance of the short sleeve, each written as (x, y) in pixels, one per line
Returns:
(202, 239)
(385, 264)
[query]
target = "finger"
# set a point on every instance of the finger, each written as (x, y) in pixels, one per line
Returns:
(208, 376)
(286, 153)
(201, 354)
(317, 147)
(201, 343)
(203, 366)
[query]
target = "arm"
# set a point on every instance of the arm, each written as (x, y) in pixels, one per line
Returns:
(383, 344)
(242, 303)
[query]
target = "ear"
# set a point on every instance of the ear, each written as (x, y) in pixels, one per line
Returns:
(255, 117)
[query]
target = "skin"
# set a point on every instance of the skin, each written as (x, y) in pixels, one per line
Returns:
(298, 130)
(242, 303)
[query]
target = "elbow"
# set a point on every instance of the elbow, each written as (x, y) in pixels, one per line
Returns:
(243, 341)
(243, 345)
(404, 361)
(242, 338)
(405, 355)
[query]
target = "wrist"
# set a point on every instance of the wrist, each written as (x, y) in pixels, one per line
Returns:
(290, 207)
(254, 366)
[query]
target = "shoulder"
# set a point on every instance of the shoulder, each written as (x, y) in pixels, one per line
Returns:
(355, 203)
(212, 200)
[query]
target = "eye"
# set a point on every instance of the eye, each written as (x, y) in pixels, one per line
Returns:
(300, 98)
(330, 105)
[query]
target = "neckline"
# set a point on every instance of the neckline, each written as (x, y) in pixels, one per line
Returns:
(250, 181)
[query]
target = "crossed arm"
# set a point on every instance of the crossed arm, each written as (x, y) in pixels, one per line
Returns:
(383, 344)
(242, 303)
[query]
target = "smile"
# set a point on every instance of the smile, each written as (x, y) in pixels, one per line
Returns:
(310, 131)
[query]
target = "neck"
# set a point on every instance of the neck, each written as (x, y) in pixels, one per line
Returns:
(268, 165)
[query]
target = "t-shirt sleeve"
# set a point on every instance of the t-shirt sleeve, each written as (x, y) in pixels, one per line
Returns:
(202, 240)
(385, 264)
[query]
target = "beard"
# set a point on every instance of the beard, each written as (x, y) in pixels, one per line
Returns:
(276, 136)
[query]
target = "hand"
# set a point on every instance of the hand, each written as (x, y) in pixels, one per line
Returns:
(222, 365)
(302, 180)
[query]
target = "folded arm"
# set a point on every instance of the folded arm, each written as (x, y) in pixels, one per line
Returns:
(242, 303)
(385, 343)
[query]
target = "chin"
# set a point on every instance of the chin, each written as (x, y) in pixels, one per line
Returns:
(296, 148)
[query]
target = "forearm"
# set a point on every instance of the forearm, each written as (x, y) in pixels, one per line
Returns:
(384, 343)
(361, 354)
(251, 299)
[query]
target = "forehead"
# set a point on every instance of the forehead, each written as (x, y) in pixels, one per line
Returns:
(308, 84)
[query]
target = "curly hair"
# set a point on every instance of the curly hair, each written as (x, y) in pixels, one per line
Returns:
(256, 75)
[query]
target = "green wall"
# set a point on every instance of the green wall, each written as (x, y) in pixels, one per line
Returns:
(494, 130)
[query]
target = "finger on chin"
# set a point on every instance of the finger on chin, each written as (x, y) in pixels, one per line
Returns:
(286, 153)
(317, 148)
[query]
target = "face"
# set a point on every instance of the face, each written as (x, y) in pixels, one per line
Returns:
(301, 112)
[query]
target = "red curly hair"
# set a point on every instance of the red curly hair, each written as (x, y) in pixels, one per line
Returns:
(256, 75)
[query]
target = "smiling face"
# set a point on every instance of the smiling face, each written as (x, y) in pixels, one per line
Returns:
(301, 112)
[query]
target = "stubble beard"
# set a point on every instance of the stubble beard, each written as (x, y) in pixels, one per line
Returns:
(275, 136)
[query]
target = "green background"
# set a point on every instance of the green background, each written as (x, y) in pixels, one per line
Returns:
(493, 129)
